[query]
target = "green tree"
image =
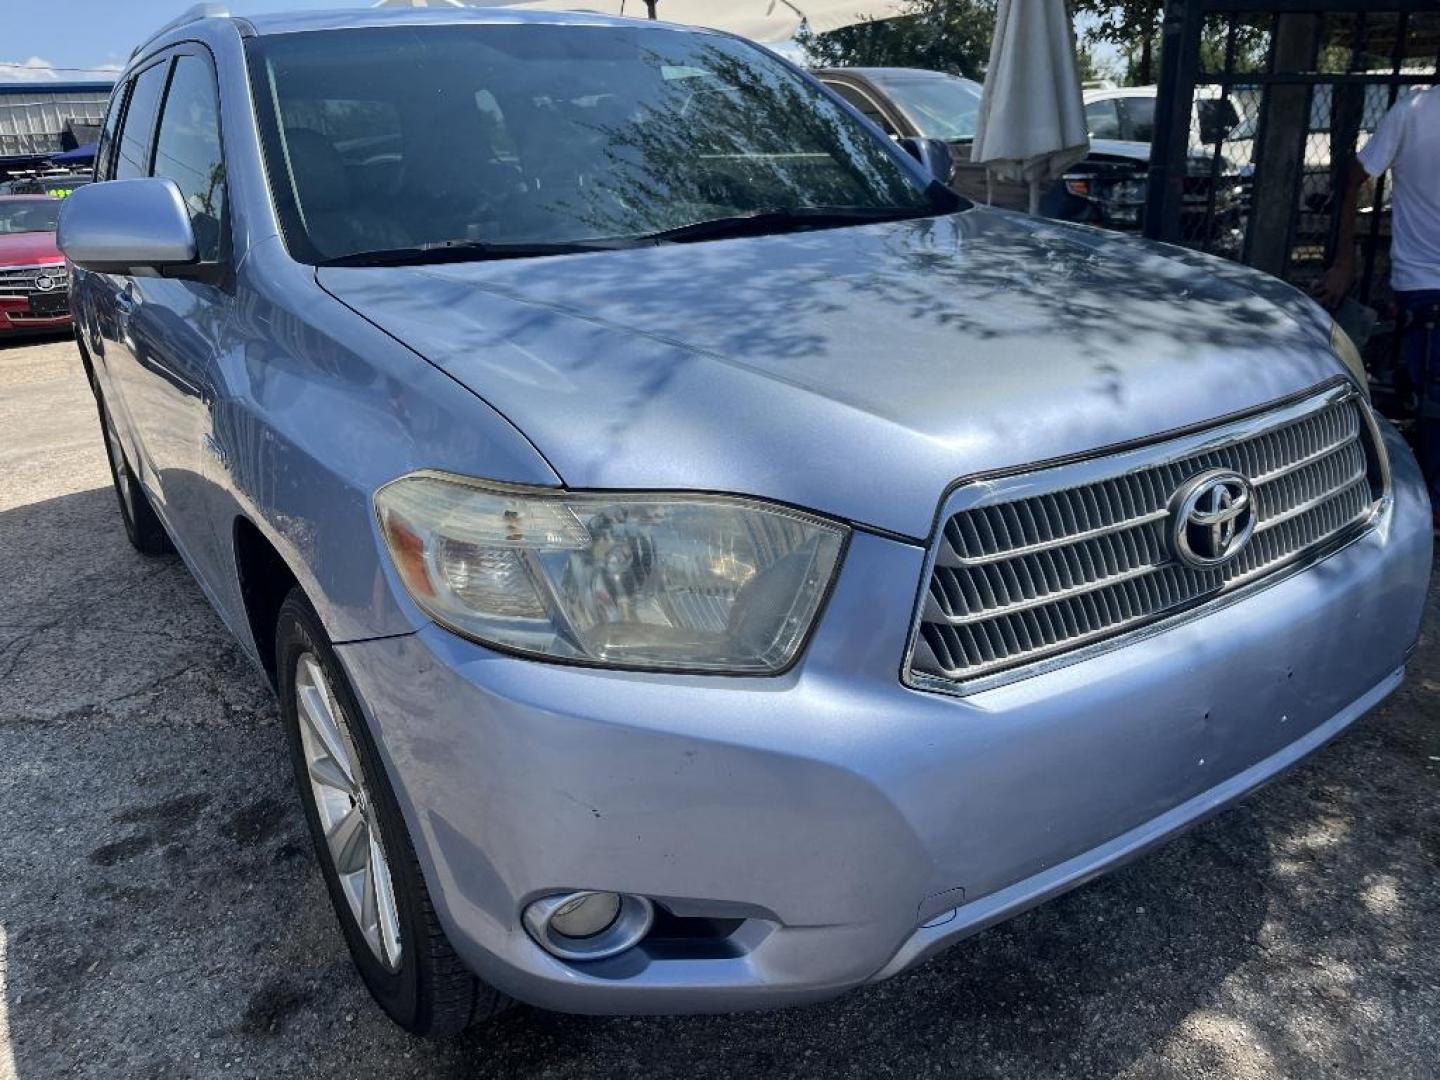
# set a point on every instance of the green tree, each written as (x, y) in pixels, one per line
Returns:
(1092, 68)
(1133, 25)
(943, 35)
(1252, 44)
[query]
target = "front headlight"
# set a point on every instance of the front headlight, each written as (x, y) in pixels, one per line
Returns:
(671, 582)
(1344, 348)
(1127, 192)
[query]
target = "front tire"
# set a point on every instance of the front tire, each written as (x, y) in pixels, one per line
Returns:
(364, 850)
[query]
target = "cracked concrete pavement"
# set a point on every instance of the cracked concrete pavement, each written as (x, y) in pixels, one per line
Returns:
(161, 914)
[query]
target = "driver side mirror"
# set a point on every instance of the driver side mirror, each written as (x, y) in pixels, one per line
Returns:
(120, 226)
(934, 154)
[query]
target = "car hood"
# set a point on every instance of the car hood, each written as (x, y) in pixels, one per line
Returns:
(1120, 148)
(860, 371)
(1199, 159)
(29, 249)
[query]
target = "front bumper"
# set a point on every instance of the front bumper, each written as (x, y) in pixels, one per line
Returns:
(18, 315)
(854, 825)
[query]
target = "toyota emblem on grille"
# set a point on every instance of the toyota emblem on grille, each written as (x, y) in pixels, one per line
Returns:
(1213, 518)
(44, 283)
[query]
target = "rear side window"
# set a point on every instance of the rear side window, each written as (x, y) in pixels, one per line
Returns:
(1140, 119)
(187, 150)
(105, 155)
(133, 154)
(1103, 120)
(866, 106)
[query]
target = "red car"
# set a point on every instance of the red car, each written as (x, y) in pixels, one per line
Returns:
(34, 282)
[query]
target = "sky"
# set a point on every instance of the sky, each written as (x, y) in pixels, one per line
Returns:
(41, 35)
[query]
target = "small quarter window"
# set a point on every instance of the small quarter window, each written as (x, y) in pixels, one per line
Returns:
(133, 153)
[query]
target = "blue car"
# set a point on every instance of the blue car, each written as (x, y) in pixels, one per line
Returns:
(703, 562)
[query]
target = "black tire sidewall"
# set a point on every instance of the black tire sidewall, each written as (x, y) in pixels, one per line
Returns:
(399, 992)
(127, 514)
(143, 527)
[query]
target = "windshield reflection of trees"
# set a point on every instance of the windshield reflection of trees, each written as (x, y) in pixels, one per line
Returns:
(718, 135)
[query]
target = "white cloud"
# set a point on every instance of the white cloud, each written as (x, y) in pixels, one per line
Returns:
(36, 69)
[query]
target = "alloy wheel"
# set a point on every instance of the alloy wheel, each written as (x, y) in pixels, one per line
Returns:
(347, 813)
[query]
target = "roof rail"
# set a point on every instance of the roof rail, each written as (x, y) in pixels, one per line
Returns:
(194, 14)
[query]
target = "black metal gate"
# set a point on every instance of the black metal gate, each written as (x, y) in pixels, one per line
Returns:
(1261, 107)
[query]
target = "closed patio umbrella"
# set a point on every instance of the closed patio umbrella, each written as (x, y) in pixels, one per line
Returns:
(1032, 117)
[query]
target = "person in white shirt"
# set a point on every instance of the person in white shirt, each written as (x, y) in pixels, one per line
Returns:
(1407, 142)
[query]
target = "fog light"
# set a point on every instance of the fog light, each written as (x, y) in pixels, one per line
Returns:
(586, 915)
(588, 925)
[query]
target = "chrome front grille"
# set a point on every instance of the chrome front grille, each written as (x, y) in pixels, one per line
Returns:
(23, 280)
(1040, 566)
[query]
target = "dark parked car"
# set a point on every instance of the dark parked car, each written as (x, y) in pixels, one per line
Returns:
(1106, 189)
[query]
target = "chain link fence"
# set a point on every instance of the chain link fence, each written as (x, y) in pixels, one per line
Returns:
(1279, 95)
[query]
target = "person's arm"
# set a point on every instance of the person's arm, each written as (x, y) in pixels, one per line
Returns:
(1335, 284)
(1374, 158)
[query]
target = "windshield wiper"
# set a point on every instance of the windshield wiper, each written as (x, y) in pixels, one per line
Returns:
(443, 251)
(781, 219)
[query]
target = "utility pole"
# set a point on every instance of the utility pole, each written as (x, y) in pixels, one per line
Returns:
(650, 6)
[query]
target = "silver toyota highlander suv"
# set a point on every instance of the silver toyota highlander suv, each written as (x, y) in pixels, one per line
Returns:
(703, 562)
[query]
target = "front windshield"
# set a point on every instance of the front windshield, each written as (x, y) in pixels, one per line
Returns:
(940, 106)
(29, 215)
(545, 134)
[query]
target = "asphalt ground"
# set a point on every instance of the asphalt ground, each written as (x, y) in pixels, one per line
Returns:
(161, 912)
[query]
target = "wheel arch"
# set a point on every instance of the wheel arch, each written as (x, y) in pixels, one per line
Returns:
(85, 361)
(264, 579)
